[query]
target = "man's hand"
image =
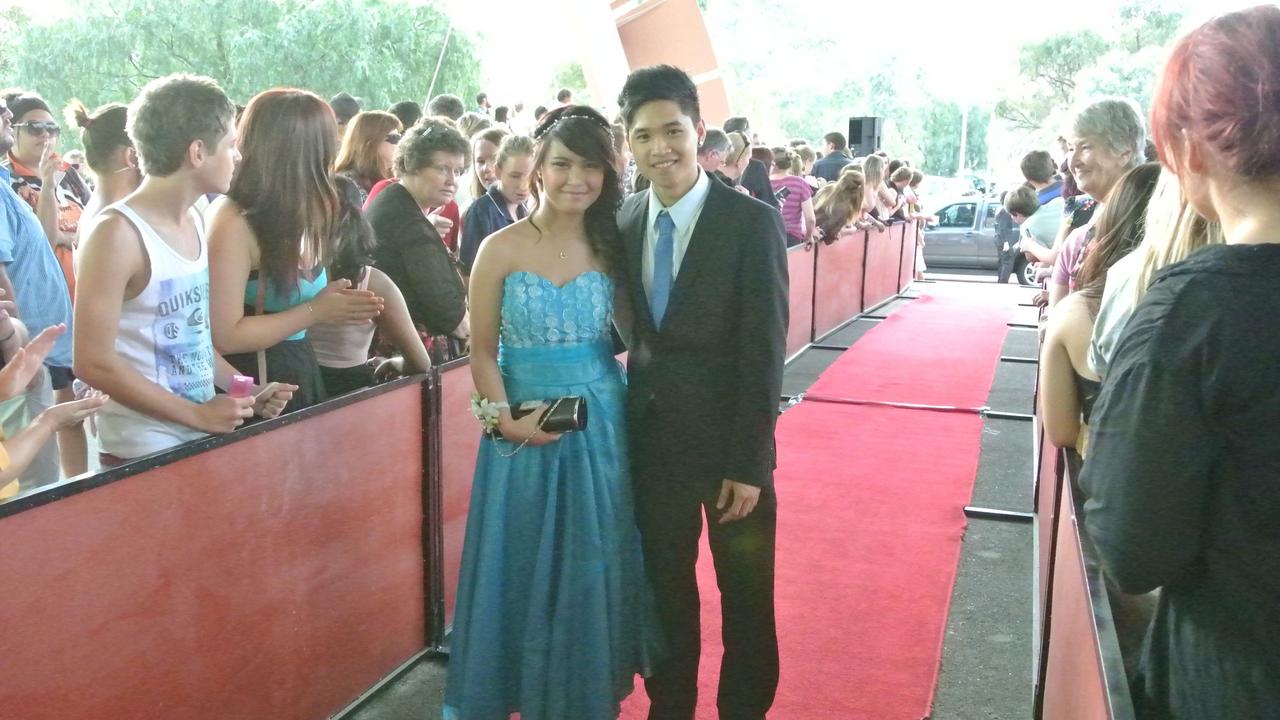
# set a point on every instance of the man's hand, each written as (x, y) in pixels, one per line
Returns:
(737, 500)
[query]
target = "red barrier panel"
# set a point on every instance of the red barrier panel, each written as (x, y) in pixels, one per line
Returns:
(907, 267)
(837, 295)
(800, 267)
(1047, 494)
(460, 441)
(275, 574)
(1075, 687)
(884, 255)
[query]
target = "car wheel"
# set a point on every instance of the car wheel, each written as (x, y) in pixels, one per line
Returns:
(1026, 272)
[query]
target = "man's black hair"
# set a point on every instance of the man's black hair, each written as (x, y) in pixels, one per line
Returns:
(344, 106)
(659, 82)
(408, 111)
(737, 123)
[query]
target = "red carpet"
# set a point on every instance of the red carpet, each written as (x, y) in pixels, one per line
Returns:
(871, 517)
(940, 349)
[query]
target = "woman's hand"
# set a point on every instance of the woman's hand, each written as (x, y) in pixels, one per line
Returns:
(50, 162)
(441, 223)
(517, 431)
(385, 369)
(70, 414)
(463, 331)
(269, 406)
(223, 414)
(23, 368)
(338, 304)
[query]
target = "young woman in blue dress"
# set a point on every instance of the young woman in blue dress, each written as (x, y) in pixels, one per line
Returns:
(554, 612)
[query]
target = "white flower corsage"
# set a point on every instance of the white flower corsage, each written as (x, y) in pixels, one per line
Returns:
(486, 411)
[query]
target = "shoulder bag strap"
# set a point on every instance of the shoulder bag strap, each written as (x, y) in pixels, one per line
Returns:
(258, 308)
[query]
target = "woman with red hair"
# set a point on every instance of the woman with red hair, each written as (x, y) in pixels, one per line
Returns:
(1182, 478)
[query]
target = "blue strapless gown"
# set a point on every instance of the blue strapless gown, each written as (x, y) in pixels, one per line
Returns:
(554, 614)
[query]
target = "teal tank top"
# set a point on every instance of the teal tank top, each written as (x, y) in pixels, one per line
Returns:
(274, 302)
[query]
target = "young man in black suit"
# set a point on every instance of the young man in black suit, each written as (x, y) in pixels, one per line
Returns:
(707, 280)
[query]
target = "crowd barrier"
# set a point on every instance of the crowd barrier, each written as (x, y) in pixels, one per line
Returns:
(276, 572)
(285, 569)
(1079, 671)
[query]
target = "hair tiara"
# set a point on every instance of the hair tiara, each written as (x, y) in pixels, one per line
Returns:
(574, 116)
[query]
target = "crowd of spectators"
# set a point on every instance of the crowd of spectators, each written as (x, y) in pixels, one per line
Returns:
(315, 247)
(318, 247)
(1158, 368)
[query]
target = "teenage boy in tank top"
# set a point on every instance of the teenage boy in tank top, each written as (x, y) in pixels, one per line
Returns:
(143, 282)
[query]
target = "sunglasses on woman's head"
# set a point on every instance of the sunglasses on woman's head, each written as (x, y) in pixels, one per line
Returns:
(394, 138)
(40, 128)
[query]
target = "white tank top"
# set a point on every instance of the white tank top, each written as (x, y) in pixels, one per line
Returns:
(343, 346)
(164, 334)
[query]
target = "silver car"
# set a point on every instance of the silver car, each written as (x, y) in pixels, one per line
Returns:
(965, 237)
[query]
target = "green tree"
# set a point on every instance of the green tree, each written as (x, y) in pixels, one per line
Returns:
(378, 50)
(1145, 25)
(942, 125)
(12, 23)
(1048, 70)
(573, 77)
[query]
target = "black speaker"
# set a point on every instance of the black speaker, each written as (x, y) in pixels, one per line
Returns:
(864, 135)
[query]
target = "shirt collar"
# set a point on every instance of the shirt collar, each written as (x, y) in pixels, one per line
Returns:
(685, 210)
(1049, 193)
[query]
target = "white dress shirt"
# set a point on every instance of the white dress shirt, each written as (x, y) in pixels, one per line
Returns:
(684, 214)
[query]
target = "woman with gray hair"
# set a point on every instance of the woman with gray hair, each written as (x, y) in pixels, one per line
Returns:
(1108, 139)
(430, 161)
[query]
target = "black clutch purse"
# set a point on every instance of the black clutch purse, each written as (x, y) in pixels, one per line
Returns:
(564, 414)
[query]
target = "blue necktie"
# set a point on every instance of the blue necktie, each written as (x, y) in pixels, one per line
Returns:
(663, 264)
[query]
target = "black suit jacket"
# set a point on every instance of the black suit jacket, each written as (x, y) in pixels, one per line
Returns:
(704, 390)
(411, 253)
(829, 167)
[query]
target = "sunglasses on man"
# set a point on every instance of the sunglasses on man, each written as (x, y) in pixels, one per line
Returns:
(40, 129)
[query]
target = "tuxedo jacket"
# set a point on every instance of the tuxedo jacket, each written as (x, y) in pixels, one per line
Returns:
(704, 389)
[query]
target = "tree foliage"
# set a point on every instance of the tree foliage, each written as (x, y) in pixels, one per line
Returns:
(940, 133)
(1062, 70)
(378, 50)
(573, 77)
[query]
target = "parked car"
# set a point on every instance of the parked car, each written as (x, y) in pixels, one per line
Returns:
(965, 237)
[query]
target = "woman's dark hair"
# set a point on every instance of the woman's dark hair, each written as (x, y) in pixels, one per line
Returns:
(354, 238)
(21, 102)
(500, 113)
(763, 154)
(586, 133)
(284, 184)
(1120, 228)
(659, 82)
(102, 132)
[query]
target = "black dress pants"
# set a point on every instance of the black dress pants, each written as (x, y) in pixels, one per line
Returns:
(669, 511)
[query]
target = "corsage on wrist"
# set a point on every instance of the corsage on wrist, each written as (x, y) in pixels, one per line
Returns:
(486, 411)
